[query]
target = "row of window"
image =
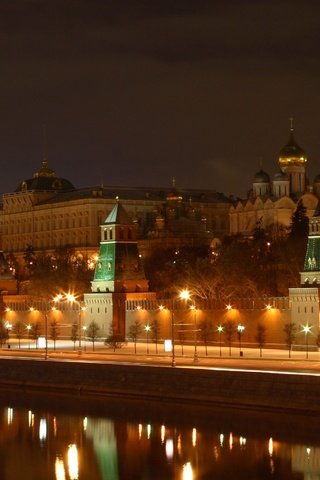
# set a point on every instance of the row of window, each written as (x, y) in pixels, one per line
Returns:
(19, 244)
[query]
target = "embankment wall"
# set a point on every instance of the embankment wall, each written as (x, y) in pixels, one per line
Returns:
(258, 390)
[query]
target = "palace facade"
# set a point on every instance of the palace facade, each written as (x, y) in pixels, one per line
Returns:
(48, 213)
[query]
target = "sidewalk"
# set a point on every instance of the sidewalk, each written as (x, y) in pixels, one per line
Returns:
(149, 350)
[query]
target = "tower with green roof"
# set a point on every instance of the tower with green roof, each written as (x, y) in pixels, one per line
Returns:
(118, 268)
(304, 300)
(311, 270)
(119, 274)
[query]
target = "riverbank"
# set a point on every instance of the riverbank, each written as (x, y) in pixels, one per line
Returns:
(207, 387)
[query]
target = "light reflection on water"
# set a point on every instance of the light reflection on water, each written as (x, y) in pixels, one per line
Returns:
(44, 443)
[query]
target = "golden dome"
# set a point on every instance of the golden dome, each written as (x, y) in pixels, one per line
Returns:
(292, 154)
(44, 171)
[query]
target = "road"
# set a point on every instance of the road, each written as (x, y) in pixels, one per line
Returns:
(273, 360)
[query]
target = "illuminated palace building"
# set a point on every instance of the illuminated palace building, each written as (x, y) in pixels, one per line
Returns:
(47, 212)
(271, 203)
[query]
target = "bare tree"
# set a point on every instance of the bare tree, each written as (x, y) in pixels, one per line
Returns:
(155, 328)
(261, 336)
(54, 332)
(290, 330)
(134, 331)
(4, 335)
(19, 329)
(113, 340)
(206, 332)
(74, 333)
(229, 329)
(92, 332)
(35, 332)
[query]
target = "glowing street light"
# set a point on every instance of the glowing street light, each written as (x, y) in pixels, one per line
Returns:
(147, 330)
(195, 356)
(72, 299)
(9, 328)
(306, 330)
(186, 295)
(29, 327)
(220, 330)
(240, 329)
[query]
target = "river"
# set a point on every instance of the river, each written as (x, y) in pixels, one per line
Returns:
(73, 438)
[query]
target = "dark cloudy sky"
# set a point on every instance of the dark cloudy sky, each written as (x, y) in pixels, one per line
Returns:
(136, 92)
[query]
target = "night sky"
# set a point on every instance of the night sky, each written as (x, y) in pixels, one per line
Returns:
(137, 92)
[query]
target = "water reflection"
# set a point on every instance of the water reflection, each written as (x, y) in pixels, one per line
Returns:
(62, 445)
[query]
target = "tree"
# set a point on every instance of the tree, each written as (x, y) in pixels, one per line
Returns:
(205, 332)
(4, 335)
(155, 328)
(261, 336)
(63, 270)
(35, 332)
(290, 330)
(182, 338)
(19, 330)
(92, 332)
(114, 340)
(134, 331)
(299, 222)
(74, 333)
(54, 332)
(30, 259)
(229, 332)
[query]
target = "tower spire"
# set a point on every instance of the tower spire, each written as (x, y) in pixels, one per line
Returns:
(44, 142)
(291, 124)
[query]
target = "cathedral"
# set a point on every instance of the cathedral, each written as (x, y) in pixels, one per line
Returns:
(271, 202)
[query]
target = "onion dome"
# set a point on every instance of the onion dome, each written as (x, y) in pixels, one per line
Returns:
(45, 179)
(292, 154)
(261, 177)
(280, 177)
(174, 195)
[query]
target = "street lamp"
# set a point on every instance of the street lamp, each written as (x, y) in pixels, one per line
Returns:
(195, 355)
(84, 332)
(186, 295)
(220, 330)
(72, 299)
(307, 329)
(46, 327)
(173, 358)
(28, 327)
(147, 330)
(240, 329)
(8, 327)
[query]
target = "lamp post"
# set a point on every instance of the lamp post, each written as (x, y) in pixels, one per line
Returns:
(186, 295)
(220, 330)
(46, 330)
(195, 355)
(85, 344)
(28, 327)
(81, 309)
(173, 358)
(240, 329)
(306, 329)
(147, 330)
(72, 299)
(8, 327)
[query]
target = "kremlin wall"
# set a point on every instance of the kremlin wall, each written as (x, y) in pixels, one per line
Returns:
(47, 212)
